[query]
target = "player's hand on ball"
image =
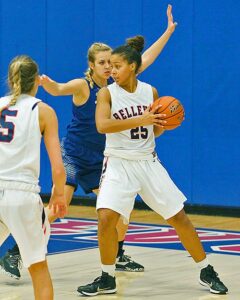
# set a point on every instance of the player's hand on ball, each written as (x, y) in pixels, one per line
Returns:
(151, 117)
(172, 109)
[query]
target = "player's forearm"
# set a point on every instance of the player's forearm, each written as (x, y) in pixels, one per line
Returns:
(153, 51)
(112, 126)
(59, 179)
(53, 88)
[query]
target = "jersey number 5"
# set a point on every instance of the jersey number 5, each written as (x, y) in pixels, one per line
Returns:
(7, 128)
(139, 132)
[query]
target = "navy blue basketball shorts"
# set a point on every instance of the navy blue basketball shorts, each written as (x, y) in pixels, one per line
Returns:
(84, 170)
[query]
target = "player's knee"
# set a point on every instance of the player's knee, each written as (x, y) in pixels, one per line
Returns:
(107, 219)
(38, 267)
(179, 218)
(105, 223)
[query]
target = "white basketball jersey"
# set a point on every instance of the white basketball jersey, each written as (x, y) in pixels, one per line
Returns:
(136, 143)
(20, 139)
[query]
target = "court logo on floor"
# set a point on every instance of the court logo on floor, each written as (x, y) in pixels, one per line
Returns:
(79, 234)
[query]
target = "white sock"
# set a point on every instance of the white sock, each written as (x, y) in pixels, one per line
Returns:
(110, 269)
(203, 263)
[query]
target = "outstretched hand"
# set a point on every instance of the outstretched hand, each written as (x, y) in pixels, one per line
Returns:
(171, 24)
(45, 79)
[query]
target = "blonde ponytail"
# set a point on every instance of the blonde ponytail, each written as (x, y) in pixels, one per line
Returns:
(15, 84)
(88, 76)
(22, 74)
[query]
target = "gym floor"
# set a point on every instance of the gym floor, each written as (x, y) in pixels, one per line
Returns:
(170, 274)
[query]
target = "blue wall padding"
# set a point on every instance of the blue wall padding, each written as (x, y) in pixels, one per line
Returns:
(200, 66)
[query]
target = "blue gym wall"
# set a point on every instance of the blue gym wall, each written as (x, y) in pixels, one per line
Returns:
(200, 66)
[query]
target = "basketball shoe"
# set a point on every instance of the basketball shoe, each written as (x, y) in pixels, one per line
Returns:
(104, 284)
(10, 264)
(209, 278)
(125, 263)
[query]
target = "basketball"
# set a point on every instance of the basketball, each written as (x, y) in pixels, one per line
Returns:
(173, 109)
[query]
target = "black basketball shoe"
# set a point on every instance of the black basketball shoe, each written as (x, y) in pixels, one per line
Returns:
(125, 263)
(11, 263)
(209, 278)
(104, 284)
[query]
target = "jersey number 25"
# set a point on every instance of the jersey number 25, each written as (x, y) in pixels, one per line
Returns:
(139, 132)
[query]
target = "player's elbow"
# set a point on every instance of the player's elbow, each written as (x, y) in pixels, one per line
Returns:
(101, 128)
(101, 125)
(158, 131)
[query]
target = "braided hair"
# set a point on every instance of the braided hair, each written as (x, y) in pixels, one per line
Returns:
(22, 72)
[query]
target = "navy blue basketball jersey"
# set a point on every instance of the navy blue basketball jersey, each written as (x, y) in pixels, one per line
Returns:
(82, 130)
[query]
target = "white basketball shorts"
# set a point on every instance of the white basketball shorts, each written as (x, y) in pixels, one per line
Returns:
(123, 179)
(23, 215)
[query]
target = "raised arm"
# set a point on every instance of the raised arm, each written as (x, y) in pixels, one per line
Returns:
(107, 125)
(76, 87)
(49, 129)
(155, 49)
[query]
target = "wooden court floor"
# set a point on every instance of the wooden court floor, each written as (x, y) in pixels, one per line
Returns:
(169, 274)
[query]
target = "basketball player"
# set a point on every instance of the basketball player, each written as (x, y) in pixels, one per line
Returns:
(83, 146)
(23, 121)
(132, 167)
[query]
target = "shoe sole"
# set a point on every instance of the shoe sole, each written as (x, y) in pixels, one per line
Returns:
(98, 293)
(123, 267)
(129, 270)
(4, 272)
(211, 290)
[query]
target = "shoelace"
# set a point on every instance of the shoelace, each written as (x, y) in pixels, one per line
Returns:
(126, 258)
(98, 279)
(15, 260)
(213, 274)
